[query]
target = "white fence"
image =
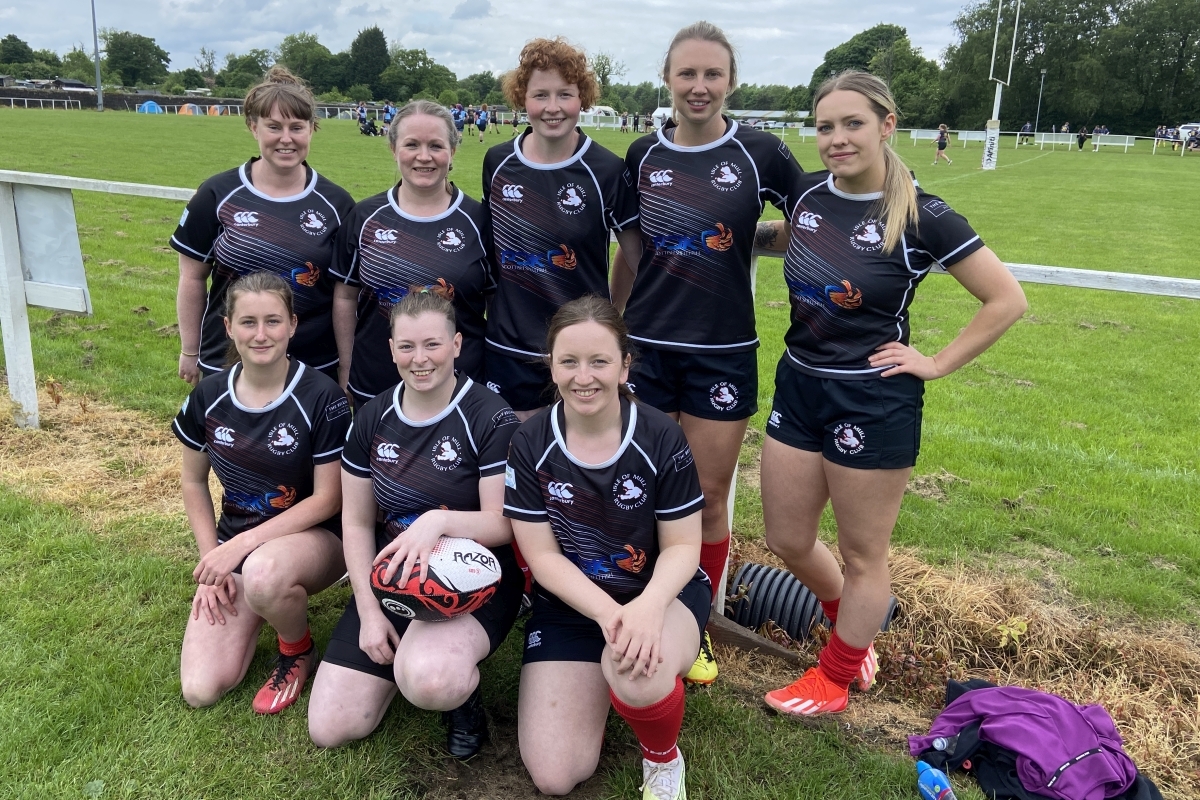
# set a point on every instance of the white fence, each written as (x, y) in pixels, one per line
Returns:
(1101, 139)
(972, 136)
(25, 101)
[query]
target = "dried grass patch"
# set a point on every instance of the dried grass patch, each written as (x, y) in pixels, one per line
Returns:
(960, 622)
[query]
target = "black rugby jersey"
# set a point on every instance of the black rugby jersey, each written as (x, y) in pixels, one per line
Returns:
(604, 515)
(551, 224)
(239, 229)
(699, 210)
(264, 457)
(415, 467)
(847, 297)
(387, 252)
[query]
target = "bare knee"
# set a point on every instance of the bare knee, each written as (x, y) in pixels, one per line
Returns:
(329, 733)
(561, 778)
(201, 692)
(789, 546)
(264, 578)
(436, 689)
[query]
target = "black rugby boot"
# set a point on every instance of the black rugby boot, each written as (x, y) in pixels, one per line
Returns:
(466, 727)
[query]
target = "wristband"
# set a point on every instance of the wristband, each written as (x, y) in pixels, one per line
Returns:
(190, 355)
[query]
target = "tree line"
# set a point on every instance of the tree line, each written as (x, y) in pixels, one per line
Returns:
(1128, 64)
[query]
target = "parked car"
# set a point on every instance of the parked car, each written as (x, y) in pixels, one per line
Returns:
(763, 124)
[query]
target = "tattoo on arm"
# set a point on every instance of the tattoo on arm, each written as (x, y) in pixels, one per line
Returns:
(765, 235)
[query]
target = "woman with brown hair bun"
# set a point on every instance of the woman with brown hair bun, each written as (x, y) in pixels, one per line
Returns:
(845, 424)
(702, 182)
(273, 214)
(553, 195)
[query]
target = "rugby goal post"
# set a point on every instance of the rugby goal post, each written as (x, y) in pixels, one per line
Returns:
(991, 144)
(41, 264)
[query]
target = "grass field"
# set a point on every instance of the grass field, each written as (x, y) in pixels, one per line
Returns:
(1066, 455)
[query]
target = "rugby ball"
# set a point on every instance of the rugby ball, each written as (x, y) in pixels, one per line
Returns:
(463, 576)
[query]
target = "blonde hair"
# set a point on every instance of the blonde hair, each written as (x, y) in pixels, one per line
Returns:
(898, 207)
(705, 32)
(280, 88)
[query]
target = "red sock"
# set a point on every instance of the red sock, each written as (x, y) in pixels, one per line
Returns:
(524, 567)
(839, 661)
(830, 607)
(295, 648)
(657, 725)
(712, 561)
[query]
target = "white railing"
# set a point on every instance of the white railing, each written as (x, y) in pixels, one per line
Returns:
(972, 136)
(25, 101)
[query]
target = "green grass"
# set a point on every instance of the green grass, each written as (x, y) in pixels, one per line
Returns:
(1076, 436)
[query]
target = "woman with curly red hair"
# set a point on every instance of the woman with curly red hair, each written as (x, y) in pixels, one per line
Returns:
(553, 194)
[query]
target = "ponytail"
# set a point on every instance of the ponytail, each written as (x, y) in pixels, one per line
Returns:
(898, 206)
(897, 209)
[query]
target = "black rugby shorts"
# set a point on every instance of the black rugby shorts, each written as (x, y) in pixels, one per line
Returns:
(720, 386)
(863, 424)
(557, 632)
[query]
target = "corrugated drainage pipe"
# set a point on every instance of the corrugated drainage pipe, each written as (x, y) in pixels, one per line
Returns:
(776, 594)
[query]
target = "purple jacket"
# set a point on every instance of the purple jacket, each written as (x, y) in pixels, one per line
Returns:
(1063, 750)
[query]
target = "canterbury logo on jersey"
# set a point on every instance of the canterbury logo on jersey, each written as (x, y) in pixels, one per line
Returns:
(807, 221)
(661, 177)
(512, 192)
(561, 492)
(245, 219)
(385, 236)
(718, 239)
(386, 451)
(224, 436)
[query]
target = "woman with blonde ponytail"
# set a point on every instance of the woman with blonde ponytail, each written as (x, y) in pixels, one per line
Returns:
(845, 426)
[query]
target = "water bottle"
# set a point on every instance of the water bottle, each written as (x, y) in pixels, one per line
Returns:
(946, 745)
(932, 783)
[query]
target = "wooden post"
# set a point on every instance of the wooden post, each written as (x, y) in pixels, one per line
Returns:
(14, 316)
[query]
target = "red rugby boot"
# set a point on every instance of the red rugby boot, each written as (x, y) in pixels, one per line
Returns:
(286, 682)
(812, 694)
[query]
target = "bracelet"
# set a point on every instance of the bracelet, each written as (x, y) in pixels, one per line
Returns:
(190, 355)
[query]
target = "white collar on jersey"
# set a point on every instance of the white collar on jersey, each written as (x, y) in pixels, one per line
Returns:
(287, 391)
(245, 176)
(562, 442)
(441, 415)
(586, 142)
(665, 142)
(454, 204)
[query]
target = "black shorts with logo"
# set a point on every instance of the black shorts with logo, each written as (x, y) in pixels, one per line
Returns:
(864, 424)
(496, 617)
(557, 632)
(523, 381)
(720, 386)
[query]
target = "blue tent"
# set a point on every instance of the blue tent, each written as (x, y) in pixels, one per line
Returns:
(150, 107)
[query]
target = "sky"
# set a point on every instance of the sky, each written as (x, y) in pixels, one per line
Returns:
(780, 41)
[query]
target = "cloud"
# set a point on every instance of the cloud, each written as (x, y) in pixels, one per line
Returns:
(472, 9)
(780, 41)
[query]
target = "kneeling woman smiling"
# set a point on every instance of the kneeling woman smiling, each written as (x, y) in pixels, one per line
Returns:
(399, 502)
(605, 504)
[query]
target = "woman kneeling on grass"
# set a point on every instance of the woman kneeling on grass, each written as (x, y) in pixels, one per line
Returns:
(605, 503)
(846, 421)
(272, 429)
(425, 459)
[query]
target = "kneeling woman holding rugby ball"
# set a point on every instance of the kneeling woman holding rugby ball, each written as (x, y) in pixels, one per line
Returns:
(605, 503)
(423, 460)
(272, 429)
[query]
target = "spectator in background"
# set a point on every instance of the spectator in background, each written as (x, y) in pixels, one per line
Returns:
(389, 111)
(362, 112)
(1066, 127)
(625, 122)
(1160, 134)
(460, 118)
(1082, 136)
(637, 121)
(1193, 141)
(1025, 137)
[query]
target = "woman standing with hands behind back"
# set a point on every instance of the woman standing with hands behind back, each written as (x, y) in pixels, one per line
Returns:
(274, 214)
(702, 182)
(845, 426)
